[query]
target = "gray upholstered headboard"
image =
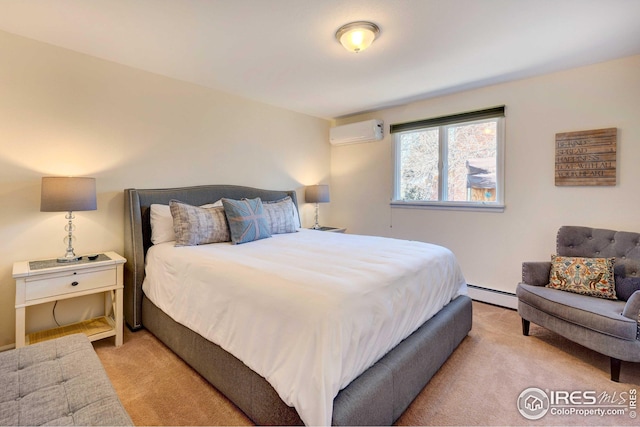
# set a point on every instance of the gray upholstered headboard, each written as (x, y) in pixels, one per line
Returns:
(137, 229)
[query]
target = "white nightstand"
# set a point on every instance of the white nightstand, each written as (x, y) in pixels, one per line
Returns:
(39, 282)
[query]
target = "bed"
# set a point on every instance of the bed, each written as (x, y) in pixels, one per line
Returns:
(372, 388)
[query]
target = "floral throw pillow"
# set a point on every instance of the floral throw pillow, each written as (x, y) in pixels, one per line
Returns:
(247, 221)
(586, 276)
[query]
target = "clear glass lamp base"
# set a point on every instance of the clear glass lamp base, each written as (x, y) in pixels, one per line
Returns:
(316, 225)
(70, 256)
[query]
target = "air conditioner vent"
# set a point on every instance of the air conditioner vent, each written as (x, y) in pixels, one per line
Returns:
(369, 130)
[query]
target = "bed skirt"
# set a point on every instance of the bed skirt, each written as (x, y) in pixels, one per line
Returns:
(377, 397)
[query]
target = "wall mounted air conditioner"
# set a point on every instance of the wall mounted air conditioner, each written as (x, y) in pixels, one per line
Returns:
(369, 130)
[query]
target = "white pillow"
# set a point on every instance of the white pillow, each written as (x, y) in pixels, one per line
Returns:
(296, 216)
(162, 222)
(213, 205)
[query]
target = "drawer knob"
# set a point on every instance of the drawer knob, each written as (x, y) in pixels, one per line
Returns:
(74, 283)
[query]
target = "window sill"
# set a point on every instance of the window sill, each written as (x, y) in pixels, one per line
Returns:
(455, 206)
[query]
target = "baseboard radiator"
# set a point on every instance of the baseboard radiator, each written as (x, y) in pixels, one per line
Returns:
(493, 296)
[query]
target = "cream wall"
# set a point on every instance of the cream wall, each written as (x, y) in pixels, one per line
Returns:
(64, 113)
(492, 246)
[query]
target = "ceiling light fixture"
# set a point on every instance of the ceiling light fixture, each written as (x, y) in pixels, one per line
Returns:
(357, 36)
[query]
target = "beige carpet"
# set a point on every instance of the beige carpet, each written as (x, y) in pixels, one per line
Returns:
(478, 385)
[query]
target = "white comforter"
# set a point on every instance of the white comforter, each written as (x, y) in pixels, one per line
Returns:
(308, 311)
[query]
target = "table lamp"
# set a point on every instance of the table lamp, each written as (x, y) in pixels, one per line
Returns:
(317, 194)
(68, 194)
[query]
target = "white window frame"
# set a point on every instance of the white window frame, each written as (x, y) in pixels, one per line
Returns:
(494, 206)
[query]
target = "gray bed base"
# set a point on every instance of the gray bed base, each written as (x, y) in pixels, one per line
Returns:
(377, 397)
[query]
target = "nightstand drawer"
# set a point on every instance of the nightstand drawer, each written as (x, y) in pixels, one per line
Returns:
(69, 282)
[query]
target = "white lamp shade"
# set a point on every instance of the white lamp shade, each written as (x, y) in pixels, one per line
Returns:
(317, 194)
(68, 194)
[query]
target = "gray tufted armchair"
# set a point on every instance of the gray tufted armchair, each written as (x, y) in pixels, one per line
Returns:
(610, 327)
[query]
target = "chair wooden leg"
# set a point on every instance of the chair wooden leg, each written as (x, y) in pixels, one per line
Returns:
(525, 327)
(615, 369)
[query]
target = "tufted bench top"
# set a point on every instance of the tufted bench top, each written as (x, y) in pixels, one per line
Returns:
(57, 382)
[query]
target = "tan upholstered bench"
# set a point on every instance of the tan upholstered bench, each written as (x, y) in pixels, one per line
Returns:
(60, 382)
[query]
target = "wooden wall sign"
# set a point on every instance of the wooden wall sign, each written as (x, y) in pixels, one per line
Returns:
(586, 158)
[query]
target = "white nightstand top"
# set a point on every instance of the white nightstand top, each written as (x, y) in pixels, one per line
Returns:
(331, 229)
(37, 267)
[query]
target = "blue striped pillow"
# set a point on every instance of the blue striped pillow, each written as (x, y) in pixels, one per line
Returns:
(247, 221)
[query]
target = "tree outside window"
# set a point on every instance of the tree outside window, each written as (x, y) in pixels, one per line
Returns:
(453, 163)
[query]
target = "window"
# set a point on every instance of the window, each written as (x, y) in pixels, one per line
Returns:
(451, 162)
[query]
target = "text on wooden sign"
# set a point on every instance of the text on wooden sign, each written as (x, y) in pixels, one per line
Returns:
(586, 157)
